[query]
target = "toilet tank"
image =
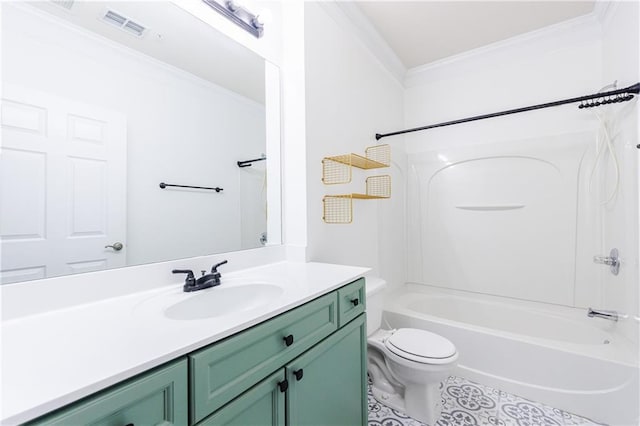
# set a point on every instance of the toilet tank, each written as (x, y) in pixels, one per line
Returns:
(376, 287)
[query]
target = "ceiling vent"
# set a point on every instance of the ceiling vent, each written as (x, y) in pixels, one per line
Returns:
(67, 4)
(124, 23)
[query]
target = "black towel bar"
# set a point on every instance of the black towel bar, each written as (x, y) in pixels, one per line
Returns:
(164, 185)
(247, 163)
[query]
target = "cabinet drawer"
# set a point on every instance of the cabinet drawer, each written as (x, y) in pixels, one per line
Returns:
(157, 398)
(222, 371)
(351, 301)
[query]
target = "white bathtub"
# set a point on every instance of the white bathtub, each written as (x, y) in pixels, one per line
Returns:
(547, 353)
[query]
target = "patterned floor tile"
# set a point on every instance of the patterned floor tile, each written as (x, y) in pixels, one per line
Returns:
(466, 403)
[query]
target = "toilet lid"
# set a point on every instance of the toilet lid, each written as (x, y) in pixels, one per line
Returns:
(412, 343)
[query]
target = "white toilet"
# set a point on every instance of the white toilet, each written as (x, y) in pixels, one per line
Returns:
(407, 365)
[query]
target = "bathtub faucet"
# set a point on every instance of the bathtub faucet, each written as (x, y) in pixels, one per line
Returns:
(610, 315)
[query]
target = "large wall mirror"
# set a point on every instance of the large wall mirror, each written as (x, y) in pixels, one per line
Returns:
(104, 101)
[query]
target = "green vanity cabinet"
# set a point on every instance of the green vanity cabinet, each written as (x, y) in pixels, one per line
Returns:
(156, 398)
(306, 366)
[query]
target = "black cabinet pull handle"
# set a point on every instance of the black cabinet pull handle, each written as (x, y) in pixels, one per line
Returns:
(129, 424)
(288, 340)
(355, 301)
(283, 386)
(298, 374)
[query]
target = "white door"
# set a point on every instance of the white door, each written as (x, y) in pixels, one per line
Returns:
(63, 186)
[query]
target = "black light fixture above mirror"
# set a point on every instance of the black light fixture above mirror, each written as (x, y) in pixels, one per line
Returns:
(237, 14)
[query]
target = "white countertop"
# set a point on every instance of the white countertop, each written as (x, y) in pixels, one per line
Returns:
(54, 358)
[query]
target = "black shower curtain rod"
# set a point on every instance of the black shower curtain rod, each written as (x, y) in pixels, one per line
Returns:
(621, 95)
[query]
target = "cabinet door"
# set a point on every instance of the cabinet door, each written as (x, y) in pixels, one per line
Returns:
(262, 405)
(224, 370)
(327, 384)
(156, 398)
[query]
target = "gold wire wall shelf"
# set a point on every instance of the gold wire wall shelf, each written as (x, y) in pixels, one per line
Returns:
(337, 169)
(379, 186)
(379, 153)
(339, 208)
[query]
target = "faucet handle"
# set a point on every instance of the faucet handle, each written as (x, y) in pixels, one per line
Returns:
(189, 272)
(190, 280)
(214, 268)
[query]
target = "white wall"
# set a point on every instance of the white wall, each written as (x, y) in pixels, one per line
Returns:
(621, 61)
(294, 191)
(566, 60)
(181, 130)
(349, 98)
(554, 63)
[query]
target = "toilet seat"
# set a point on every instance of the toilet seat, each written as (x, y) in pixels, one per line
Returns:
(420, 346)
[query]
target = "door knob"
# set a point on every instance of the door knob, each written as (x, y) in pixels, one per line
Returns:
(115, 246)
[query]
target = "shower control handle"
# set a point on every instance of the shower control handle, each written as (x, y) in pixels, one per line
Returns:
(605, 260)
(613, 261)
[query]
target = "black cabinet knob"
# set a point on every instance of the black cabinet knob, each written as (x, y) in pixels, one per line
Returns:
(288, 340)
(283, 386)
(298, 374)
(129, 424)
(355, 301)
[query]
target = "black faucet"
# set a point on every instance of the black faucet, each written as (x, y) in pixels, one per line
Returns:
(205, 281)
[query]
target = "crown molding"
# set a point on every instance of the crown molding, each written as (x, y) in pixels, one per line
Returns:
(349, 16)
(604, 11)
(546, 39)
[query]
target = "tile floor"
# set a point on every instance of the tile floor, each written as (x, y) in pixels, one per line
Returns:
(469, 403)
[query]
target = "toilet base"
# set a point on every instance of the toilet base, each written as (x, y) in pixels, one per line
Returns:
(424, 405)
(391, 400)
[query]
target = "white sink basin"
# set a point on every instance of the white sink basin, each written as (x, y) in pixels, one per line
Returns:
(219, 301)
(211, 303)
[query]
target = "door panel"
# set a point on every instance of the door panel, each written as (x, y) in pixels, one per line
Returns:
(63, 189)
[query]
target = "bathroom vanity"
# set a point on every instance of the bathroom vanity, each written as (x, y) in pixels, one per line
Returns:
(266, 364)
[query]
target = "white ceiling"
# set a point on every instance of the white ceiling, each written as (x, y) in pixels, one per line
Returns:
(421, 32)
